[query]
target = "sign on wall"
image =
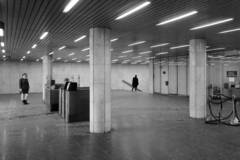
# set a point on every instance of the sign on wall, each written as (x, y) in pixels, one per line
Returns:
(231, 73)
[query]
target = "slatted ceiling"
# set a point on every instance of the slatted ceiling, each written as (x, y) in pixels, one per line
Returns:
(87, 21)
(64, 28)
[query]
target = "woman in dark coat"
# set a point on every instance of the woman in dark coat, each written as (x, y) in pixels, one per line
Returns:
(24, 88)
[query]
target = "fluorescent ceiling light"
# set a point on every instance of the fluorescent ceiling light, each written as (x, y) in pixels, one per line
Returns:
(4, 56)
(179, 46)
(134, 10)
(127, 51)
(23, 57)
(80, 38)
(85, 49)
(122, 56)
(41, 57)
(51, 53)
(215, 49)
(3, 51)
(78, 61)
(34, 46)
(138, 61)
(37, 60)
(71, 54)
(126, 60)
(159, 45)
(74, 59)
(70, 5)
(61, 47)
(137, 57)
(1, 32)
(66, 61)
(28, 52)
(115, 60)
(136, 43)
(114, 39)
(161, 53)
(2, 44)
(44, 35)
(111, 49)
(211, 24)
(53, 60)
(59, 58)
(145, 52)
(177, 18)
(232, 30)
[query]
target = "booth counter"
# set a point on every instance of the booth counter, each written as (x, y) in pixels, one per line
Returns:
(52, 99)
(77, 105)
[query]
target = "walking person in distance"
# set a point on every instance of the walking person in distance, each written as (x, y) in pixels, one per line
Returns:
(24, 88)
(135, 83)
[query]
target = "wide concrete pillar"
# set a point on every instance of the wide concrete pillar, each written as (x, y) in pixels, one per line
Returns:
(100, 80)
(198, 66)
(47, 72)
(151, 76)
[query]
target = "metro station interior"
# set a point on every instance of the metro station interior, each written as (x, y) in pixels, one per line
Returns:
(80, 57)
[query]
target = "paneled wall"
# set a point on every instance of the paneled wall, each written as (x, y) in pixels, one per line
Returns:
(177, 76)
(11, 72)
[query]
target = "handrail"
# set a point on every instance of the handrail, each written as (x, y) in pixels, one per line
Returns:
(130, 85)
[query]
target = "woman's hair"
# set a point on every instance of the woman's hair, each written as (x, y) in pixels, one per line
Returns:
(24, 74)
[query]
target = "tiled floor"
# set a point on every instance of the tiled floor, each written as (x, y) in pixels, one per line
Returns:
(144, 127)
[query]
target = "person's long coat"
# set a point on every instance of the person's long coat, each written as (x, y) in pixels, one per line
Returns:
(135, 82)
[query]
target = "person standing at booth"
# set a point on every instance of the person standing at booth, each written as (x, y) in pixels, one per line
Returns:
(135, 83)
(24, 88)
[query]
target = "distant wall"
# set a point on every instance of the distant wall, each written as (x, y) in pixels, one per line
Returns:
(11, 72)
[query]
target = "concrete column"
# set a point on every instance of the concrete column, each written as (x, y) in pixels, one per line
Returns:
(100, 80)
(198, 83)
(47, 71)
(151, 75)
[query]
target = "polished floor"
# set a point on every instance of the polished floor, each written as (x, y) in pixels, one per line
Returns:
(144, 127)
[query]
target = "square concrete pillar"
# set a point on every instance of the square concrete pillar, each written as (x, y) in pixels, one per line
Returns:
(198, 83)
(100, 80)
(151, 75)
(47, 71)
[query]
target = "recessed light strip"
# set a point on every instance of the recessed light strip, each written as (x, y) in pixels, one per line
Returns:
(215, 49)
(34, 46)
(161, 53)
(232, 30)
(127, 51)
(145, 52)
(134, 10)
(85, 49)
(114, 39)
(136, 43)
(177, 18)
(61, 47)
(44, 35)
(70, 5)
(211, 24)
(159, 45)
(179, 46)
(80, 38)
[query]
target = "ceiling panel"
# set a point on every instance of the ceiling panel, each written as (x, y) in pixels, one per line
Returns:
(26, 20)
